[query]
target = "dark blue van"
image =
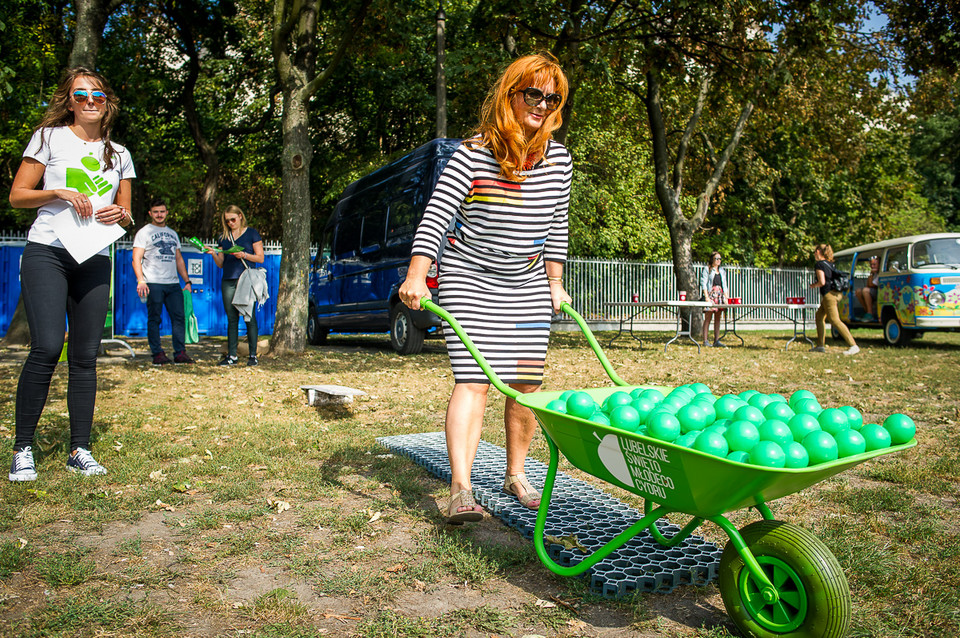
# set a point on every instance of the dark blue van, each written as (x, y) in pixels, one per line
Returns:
(365, 251)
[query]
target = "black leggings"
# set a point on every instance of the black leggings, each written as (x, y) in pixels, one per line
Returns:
(55, 286)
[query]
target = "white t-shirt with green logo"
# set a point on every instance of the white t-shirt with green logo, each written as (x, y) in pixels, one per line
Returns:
(72, 163)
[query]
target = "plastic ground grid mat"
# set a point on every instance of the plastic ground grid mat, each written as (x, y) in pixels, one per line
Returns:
(577, 510)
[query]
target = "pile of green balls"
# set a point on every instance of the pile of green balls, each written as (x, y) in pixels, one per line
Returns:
(768, 430)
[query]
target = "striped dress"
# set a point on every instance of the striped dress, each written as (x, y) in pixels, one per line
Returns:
(496, 235)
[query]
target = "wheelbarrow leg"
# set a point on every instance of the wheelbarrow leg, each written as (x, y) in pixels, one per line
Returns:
(768, 591)
(612, 545)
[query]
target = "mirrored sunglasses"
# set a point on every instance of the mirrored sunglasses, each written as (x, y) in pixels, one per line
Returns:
(80, 96)
(533, 96)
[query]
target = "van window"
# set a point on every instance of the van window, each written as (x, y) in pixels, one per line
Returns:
(347, 242)
(401, 222)
(862, 270)
(896, 260)
(373, 229)
(936, 252)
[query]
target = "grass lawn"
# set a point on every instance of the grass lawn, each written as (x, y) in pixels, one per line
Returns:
(234, 509)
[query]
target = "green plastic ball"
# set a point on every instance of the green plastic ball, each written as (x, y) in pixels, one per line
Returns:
(821, 447)
(797, 456)
(644, 406)
(759, 401)
(706, 398)
(777, 397)
(749, 413)
(726, 405)
(722, 422)
(663, 426)
(747, 394)
(601, 418)
(807, 406)
(719, 429)
(875, 437)
(800, 395)
(833, 420)
(700, 388)
(691, 417)
(776, 431)
(901, 428)
(615, 400)
(686, 440)
(557, 406)
(778, 410)
(768, 454)
(708, 410)
(742, 436)
(581, 404)
(854, 417)
(739, 456)
(566, 394)
(850, 443)
(653, 394)
(711, 443)
(625, 417)
(802, 424)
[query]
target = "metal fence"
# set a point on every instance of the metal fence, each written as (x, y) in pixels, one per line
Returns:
(596, 283)
(593, 284)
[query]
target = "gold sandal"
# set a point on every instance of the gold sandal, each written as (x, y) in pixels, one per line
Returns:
(530, 498)
(463, 509)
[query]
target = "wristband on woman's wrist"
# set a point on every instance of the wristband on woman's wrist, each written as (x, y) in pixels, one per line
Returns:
(555, 280)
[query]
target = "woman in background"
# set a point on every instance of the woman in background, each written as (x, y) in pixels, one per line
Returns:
(236, 234)
(82, 170)
(713, 286)
(829, 301)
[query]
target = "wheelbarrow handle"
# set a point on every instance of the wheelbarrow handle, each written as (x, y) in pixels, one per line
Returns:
(427, 304)
(565, 307)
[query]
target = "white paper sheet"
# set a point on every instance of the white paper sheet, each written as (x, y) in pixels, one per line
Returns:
(84, 238)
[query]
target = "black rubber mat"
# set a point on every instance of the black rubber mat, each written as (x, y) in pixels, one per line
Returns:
(578, 512)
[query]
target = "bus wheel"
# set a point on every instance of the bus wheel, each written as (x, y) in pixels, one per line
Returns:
(893, 332)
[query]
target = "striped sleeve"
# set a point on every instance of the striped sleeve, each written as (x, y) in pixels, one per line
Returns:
(555, 247)
(451, 190)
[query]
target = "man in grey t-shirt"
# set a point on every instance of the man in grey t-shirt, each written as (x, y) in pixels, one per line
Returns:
(157, 262)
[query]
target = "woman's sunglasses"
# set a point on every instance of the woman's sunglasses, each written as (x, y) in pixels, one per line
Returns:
(533, 96)
(80, 96)
(232, 220)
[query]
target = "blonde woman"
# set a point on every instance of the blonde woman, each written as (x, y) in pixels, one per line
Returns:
(829, 301)
(506, 190)
(239, 245)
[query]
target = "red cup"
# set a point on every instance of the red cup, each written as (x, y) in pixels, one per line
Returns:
(683, 295)
(636, 298)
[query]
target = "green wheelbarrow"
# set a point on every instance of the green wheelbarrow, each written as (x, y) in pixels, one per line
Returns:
(776, 579)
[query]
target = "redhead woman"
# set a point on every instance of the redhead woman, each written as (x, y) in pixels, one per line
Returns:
(500, 212)
(83, 170)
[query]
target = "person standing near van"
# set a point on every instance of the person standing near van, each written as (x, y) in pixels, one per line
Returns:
(868, 293)
(157, 262)
(829, 301)
(506, 190)
(236, 234)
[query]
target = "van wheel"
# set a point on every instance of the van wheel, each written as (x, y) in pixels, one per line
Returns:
(405, 337)
(894, 333)
(315, 334)
(834, 333)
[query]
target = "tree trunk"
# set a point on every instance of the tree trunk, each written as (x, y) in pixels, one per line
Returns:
(290, 327)
(91, 18)
(18, 334)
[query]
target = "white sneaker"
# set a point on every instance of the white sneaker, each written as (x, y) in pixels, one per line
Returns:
(84, 463)
(852, 350)
(22, 467)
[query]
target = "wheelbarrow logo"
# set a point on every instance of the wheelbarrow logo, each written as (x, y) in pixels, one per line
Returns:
(636, 464)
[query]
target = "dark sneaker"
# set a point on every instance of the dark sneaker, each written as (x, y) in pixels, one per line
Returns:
(252, 361)
(83, 462)
(22, 467)
(182, 357)
(228, 361)
(161, 359)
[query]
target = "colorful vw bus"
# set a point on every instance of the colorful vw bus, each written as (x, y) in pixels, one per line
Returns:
(918, 287)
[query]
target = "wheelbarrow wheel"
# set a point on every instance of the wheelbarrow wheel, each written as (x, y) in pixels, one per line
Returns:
(814, 598)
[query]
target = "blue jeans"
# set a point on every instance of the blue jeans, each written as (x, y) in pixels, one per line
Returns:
(168, 296)
(56, 288)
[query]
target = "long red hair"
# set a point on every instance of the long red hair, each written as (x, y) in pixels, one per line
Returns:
(499, 129)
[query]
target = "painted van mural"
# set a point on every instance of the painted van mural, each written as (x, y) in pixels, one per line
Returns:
(906, 286)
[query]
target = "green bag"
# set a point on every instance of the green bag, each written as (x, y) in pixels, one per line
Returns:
(192, 329)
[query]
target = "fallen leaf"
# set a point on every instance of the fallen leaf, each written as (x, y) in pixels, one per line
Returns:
(118, 446)
(281, 506)
(157, 475)
(374, 518)
(23, 542)
(164, 506)
(399, 567)
(181, 487)
(208, 453)
(546, 604)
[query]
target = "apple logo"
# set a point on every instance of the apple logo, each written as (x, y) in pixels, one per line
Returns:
(612, 458)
